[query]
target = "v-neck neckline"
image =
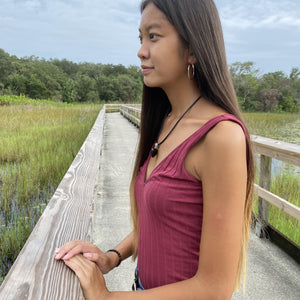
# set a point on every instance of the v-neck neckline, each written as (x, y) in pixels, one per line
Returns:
(146, 164)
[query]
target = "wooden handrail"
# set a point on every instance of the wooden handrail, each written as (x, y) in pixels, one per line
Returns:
(267, 148)
(68, 216)
(133, 114)
(279, 202)
(283, 151)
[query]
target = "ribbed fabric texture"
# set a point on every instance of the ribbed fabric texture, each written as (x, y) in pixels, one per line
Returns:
(170, 207)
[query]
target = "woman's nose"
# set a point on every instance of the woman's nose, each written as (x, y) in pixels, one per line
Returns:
(143, 52)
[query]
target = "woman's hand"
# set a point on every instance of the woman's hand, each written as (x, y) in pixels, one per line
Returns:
(91, 279)
(105, 261)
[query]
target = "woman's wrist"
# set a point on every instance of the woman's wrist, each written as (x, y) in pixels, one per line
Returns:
(119, 255)
(113, 259)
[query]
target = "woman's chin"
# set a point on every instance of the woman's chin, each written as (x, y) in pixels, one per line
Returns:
(150, 83)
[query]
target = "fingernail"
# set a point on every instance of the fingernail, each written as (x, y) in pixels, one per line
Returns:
(57, 250)
(66, 257)
(87, 255)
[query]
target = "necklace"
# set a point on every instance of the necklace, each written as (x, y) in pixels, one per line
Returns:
(154, 149)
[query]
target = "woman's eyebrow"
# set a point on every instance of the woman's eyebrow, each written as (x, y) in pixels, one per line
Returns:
(151, 26)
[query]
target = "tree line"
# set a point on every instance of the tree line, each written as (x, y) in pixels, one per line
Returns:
(270, 92)
(64, 80)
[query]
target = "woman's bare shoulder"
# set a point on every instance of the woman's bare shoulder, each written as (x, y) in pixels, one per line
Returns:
(223, 144)
(225, 135)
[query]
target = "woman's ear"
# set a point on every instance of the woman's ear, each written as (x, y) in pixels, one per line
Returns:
(191, 58)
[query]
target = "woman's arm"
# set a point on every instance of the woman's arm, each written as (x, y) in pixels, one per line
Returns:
(106, 261)
(221, 166)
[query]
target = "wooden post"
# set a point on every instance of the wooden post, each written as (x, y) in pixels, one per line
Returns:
(264, 182)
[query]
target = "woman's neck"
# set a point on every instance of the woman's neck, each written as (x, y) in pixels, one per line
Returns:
(181, 97)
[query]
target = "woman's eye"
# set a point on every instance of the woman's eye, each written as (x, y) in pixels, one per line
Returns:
(153, 36)
(140, 38)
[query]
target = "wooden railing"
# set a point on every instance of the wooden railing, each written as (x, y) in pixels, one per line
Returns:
(286, 152)
(68, 216)
(268, 149)
(132, 114)
(112, 108)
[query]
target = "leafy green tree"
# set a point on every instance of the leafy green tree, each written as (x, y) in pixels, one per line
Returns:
(295, 73)
(294, 99)
(269, 100)
(245, 81)
(83, 86)
(129, 89)
(35, 88)
(68, 67)
(6, 69)
(68, 91)
(106, 89)
(17, 83)
(239, 68)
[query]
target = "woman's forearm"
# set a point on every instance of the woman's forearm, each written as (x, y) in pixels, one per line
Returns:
(191, 289)
(125, 248)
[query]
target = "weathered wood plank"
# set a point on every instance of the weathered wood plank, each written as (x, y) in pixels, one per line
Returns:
(279, 202)
(133, 114)
(283, 151)
(68, 216)
(264, 182)
(112, 107)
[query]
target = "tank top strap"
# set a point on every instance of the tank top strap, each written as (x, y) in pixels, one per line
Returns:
(201, 132)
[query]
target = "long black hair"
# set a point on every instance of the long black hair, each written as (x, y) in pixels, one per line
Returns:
(199, 28)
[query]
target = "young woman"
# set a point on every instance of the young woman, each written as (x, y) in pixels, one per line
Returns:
(191, 187)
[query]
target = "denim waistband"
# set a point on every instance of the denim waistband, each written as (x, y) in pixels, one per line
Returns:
(137, 285)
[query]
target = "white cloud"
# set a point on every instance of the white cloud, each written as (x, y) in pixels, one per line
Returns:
(32, 4)
(238, 14)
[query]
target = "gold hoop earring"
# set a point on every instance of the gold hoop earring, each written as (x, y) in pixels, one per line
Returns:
(189, 71)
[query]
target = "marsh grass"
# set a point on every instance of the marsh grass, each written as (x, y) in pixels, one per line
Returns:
(279, 126)
(38, 142)
(286, 184)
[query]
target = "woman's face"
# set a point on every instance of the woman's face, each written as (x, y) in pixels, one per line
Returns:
(164, 60)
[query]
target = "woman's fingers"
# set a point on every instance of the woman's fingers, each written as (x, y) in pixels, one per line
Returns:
(64, 249)
(91, 256)
(90, 277)
(72, 248)
(105, 261)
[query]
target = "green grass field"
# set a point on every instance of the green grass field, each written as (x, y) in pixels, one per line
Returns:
(279, 126)
(38, 142)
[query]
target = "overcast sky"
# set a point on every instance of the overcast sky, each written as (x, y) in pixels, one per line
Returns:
(266, 32)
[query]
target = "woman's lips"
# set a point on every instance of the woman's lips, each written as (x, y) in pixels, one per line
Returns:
(146, 70)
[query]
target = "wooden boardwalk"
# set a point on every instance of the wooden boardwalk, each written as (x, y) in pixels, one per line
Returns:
(272, 275)
(112, 212)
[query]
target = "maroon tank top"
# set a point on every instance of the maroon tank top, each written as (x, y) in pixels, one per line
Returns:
(170, 205)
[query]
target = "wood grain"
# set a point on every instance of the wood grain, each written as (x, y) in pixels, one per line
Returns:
(279, 202)
(68, 216)
(283, 151)
(131, 113)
